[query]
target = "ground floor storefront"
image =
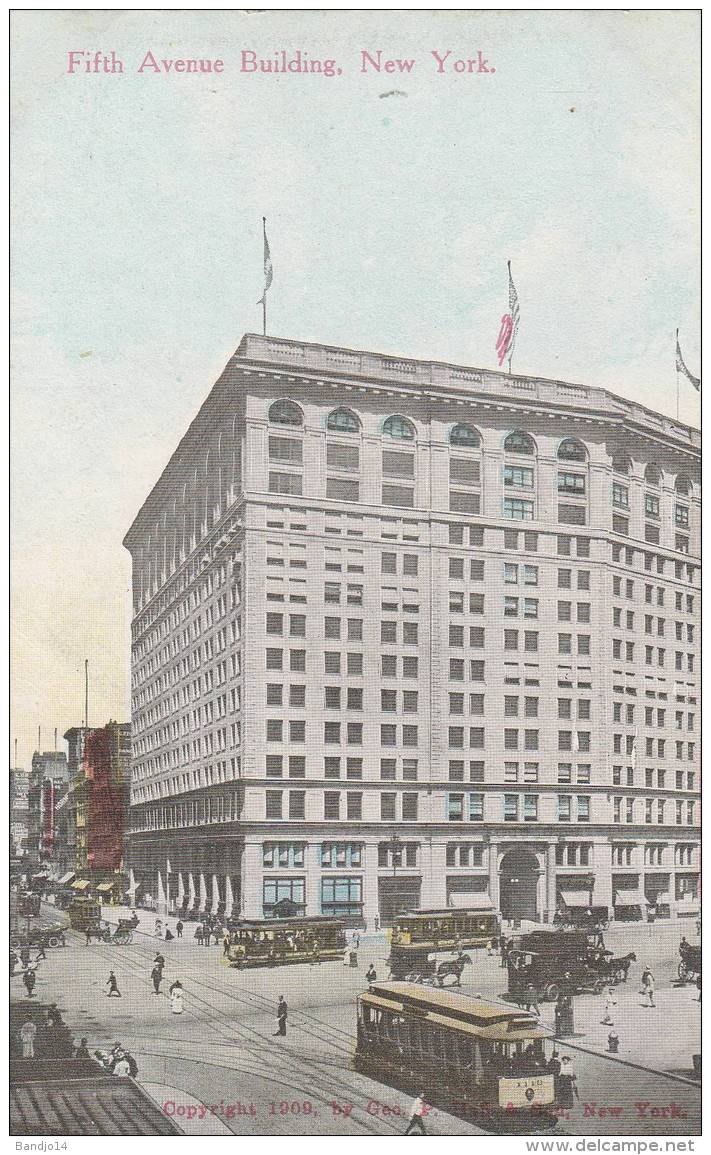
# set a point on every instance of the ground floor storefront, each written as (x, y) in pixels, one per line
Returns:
(368, 877)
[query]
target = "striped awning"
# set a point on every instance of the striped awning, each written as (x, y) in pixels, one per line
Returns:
(67, 878)
(631, 898)
(104, 886)
(575, 897)
(81, 884)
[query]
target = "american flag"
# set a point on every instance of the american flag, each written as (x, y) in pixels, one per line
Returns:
(268, 269)
(681, 367)
(506, 339)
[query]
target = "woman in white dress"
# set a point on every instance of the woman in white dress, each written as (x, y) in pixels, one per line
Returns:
(176, 999)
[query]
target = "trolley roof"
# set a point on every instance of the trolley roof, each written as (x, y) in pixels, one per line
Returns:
(297, 922)
(497, 1022)
(450, 911)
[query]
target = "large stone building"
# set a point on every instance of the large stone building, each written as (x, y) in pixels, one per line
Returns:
(412, 634)
(49, 782)
(19, 812)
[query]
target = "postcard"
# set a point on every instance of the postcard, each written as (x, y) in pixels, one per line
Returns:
(356, 469)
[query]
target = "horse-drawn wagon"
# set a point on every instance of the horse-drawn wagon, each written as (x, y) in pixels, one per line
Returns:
(690, 962)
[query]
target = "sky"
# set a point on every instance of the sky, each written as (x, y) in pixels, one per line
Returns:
(393, 201)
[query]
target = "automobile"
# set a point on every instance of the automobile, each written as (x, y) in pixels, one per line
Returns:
(52, 936)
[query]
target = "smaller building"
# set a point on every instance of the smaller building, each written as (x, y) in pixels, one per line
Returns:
(19, 812)
(48, 783)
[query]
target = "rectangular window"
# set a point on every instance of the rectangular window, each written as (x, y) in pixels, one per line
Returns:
(510, 807)
(285, 483)
(620, 496)
(476, 807)
(455, 807)
(398, 495)
(273, 803)
(518, 476)
(573, 483)
(572, 514)
(409, 807)
(464, 470)
(398, 464)
(297, 804)
(387, 807)
(342, 489)
(286, 449)
(332, 804)
(517, 509)
(343, 458)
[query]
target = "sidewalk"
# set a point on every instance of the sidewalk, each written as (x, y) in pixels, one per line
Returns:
(662, 1038)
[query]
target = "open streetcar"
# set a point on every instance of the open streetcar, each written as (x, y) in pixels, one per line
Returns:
(485, 1060)
(279, 941)
(419, 935)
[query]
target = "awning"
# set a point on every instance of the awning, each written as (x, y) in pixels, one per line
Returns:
(104, 886)
(575, 897)
(631, 898)
(67, 878)
(470, 900)
(81, 884)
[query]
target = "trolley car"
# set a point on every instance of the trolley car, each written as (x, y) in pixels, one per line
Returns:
(419, 934)
(485, 1060)
(279, 941)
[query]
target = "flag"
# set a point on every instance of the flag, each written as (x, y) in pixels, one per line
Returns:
(268, 268)
(509, 325)
(681, 367)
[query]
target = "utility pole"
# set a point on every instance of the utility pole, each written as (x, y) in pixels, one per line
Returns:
(86, 693)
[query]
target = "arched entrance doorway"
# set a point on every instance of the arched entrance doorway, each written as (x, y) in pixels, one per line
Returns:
(518, 884)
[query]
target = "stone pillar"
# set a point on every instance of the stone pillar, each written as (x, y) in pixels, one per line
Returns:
(551, 889)
(252, 880)
(371, 907)
(312, 864)
(494, 874)
(602, 870)
(433, 858)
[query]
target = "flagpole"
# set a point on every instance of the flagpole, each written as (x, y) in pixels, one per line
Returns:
(677, 376)
(264, 298)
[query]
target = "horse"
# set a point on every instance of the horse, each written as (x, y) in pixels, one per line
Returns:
(97, 931)
(452, 967)
(620, 966)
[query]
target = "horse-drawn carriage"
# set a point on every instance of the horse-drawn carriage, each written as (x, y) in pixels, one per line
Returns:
(102, 932)
(690, 962)
(427, 970)
(570, 961)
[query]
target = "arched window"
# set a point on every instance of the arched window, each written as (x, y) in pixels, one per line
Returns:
(572, 450)
(652, 475)
(399, 427)
(285, 413)
(518, 442)
(683, 485)
(343, 421)
(464, 436)
(621, 464)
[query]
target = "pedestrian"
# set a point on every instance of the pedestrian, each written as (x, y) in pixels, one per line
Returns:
(121, 1067)
(282, 1012)
(87, 932)
(54, 1016)
(159, 961)
(613, 1042)
(568, 1083)
(25, 956)
(179, 928)
(530, 1000)
(29, 978)
(698, 984)
(377, 923)
(40, 954)
(647, 990)
(356, 941)
(610, 1007)
(554, 1067)
(176, 998)
(419, 1108)
(112, 984)
(169, 936)
(158, 928)
(14, 960)
(28, 1034)
(198, 934)
(371, 976)
(226, 943)
(132, 1065)
(82, 1051)
(599, 939)
(157, 975)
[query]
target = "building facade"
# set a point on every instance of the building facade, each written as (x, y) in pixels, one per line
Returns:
(414, 634)
(97, 801)
(49, 782)
(19, 812)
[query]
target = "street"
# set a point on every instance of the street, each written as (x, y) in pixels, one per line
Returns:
(219, 1068)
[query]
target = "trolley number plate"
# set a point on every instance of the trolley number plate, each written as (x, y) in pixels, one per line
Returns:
(532, 1091)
